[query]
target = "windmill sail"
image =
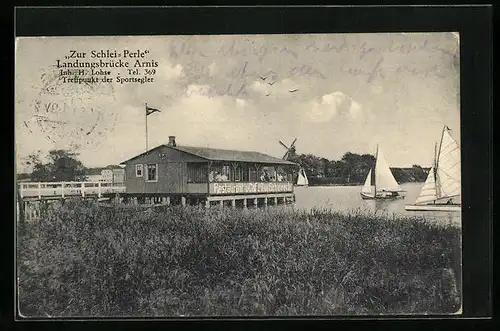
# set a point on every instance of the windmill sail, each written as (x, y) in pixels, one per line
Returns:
(428, 191)
(448, 167)
(368, 188)
(384, 179)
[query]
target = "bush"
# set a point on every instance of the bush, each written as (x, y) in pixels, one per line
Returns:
(86, 260)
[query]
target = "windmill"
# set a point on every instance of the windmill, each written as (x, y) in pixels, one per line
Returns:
(290, 152)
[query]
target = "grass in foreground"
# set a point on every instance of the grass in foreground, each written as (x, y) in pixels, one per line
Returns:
(83, 260)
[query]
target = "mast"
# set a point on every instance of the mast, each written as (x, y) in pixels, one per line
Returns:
(375, 171)
(435, 171)
(438, 188)
(435, 161)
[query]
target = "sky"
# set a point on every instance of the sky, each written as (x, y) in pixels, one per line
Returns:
(333, 92)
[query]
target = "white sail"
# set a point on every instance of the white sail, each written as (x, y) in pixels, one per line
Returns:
(448, 167)
(302, 179)
(384, 180)
(368, 188)
(428, 191)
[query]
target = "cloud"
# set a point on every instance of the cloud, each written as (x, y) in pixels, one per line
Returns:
(332, 105)
(376, 88)
(262, 88)
(193, 90)
(355, 109)
(240, 102)
(212, 69)
(208, 120)
(168, 84)
(280, 88)
(287, 82)
(285, 86)
(169, 71)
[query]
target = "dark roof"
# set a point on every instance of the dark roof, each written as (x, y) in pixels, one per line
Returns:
(23, 175)
(215, 154)
(113, 166)
(93, 171)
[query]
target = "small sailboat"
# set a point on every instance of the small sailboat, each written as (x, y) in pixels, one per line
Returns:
(302, 178)
(380, 183)
(442, 188)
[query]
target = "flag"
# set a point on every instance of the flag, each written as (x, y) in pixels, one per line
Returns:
(150, 110)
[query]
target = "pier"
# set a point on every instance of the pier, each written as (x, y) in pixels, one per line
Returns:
(61, 190)
(33, 197)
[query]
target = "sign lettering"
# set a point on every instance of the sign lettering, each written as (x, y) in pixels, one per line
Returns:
(241, 188)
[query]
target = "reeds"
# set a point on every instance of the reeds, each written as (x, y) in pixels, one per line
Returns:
(83, 260)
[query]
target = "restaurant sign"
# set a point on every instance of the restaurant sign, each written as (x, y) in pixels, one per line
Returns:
(241, 188)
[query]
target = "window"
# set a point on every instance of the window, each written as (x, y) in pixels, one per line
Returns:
(152, 173)
(237, 172)
(240, 172)
(280, 174)
(267, 174)
(138, 170)
(220, 173)
(244, 172)
(197, 172)
(226, 173)
(252, 173)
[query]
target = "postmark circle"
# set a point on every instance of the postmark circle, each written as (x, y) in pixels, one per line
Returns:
(74, 111)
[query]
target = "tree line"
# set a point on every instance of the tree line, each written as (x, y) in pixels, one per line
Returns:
(61, 166)
(351, 169)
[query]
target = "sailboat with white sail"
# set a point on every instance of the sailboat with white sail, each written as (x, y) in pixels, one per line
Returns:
(302, 178)
(442, 188)
(380, 182)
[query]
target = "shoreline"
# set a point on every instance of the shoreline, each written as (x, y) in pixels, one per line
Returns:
(356, 184)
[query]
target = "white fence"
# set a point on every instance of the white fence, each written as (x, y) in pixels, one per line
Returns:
(67, 189)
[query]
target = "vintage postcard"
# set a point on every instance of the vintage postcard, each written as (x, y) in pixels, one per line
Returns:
(238, 175)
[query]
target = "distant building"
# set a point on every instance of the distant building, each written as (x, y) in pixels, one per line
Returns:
(94, 175)
(23, 177)
(113, 174)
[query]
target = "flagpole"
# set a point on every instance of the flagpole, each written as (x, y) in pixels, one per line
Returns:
(146, 113)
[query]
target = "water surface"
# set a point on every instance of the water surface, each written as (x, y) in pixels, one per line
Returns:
(347, 199)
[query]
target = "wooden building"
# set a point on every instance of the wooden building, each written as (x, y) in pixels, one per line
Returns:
(187, 175)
